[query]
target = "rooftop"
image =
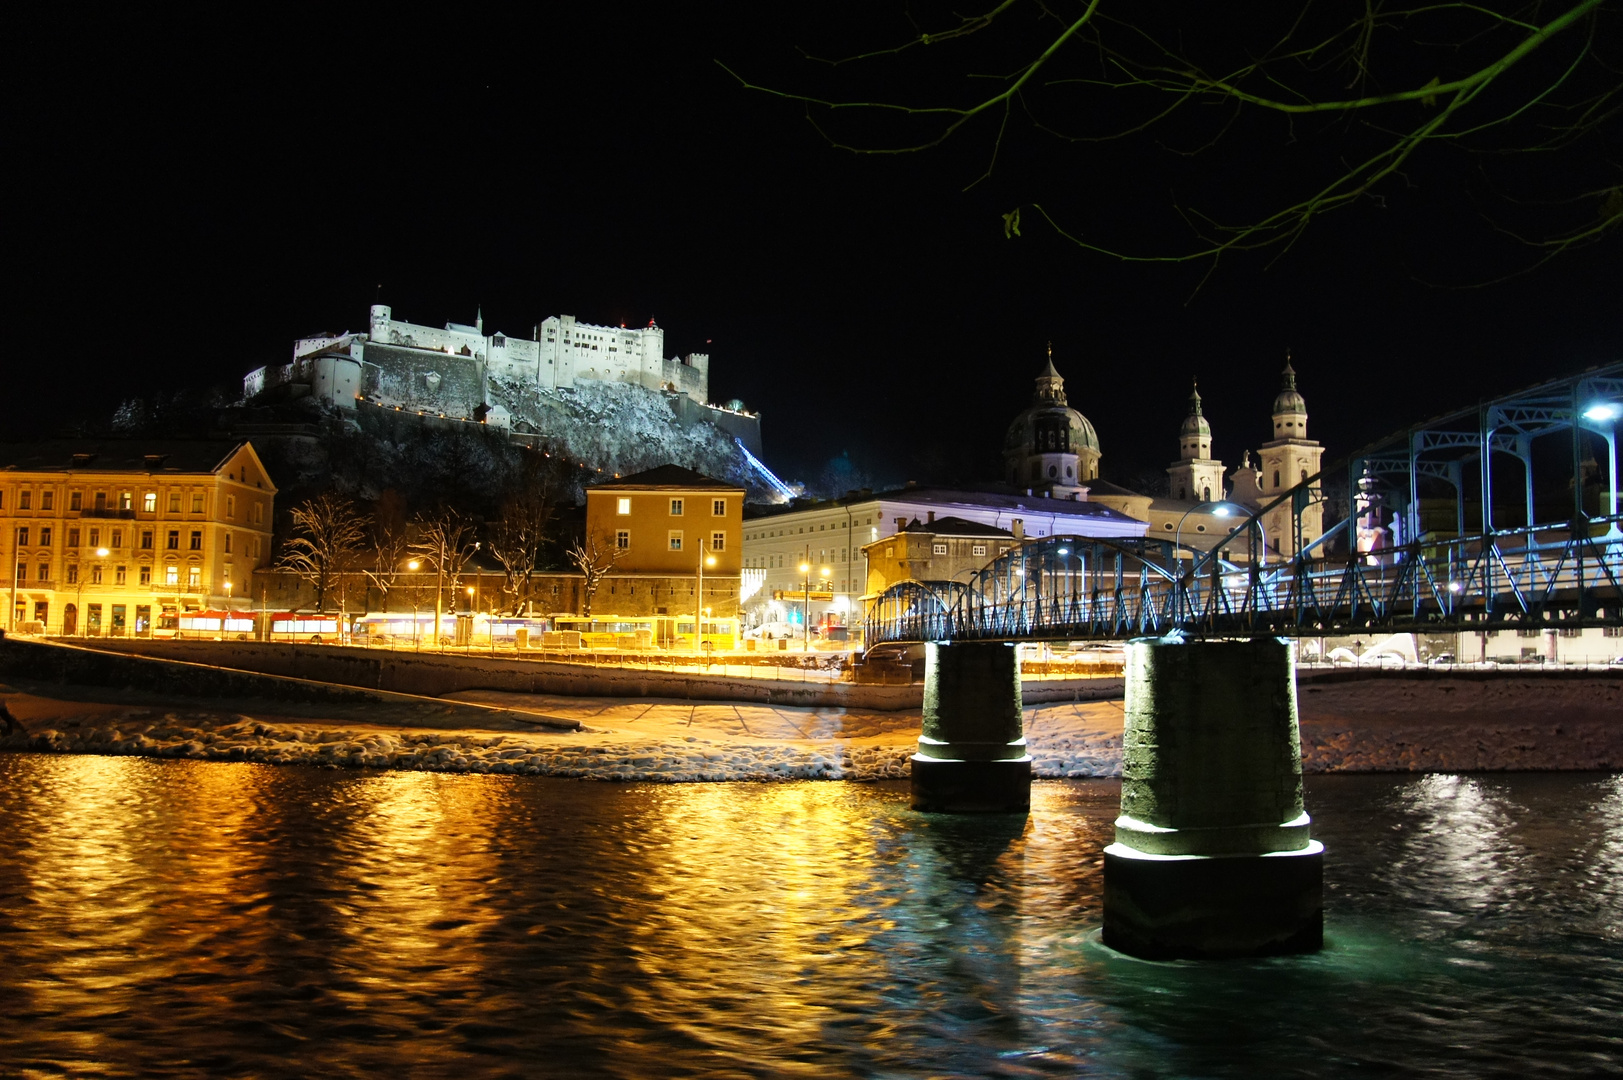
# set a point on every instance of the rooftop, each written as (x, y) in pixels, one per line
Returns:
(665, 476)
(119, 455)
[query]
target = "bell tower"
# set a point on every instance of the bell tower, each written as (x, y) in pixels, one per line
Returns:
(1196, 476)
(1286, 460)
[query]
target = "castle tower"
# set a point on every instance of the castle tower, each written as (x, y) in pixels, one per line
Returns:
(1196, 475)
(1285, 461)
(378, 323)
(1051, 447)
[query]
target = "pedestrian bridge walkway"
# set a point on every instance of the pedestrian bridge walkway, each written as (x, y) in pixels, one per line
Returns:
(1559, 566)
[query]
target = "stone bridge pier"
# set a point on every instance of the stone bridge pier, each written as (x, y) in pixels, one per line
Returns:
(1213, 854)
(972, 747)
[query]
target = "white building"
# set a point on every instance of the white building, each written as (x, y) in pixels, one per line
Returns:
(828, 537)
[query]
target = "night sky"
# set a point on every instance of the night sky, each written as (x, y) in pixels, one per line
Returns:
(189, 195)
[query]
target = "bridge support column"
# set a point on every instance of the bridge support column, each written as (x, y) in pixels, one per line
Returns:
(1213, 855)
(972, 749)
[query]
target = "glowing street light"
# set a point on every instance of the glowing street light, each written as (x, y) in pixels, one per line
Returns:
(805, 607)
(1606, 410)
(698, 603)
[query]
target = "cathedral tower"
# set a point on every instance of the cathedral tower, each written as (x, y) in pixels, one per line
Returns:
(1196, 475)
(1287, 460)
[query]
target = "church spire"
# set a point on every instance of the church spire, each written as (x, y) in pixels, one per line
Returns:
(1194, 397)
(1050, 387)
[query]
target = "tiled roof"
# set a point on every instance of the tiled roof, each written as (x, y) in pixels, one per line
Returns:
(666, 476)
(119, 455)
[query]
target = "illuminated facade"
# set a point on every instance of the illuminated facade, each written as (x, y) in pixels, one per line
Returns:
(662, 525)
(1051, 448)
(123, 537)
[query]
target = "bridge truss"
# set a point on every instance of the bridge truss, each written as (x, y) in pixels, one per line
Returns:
(1387, 566)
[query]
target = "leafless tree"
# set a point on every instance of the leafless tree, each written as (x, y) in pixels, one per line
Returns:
(1329, 104)
(327, 535)
(445, 541)
(595, 555)
(388, 544)
(519, 535)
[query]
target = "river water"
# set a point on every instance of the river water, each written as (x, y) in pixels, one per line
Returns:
(173, 918)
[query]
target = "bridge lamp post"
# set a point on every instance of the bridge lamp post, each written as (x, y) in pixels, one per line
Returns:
(1223, 510)
(1602, 414)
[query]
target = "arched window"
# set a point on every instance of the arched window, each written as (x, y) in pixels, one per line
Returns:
(1053, 471)
(1304, 476)
(1180, 493)
(1067, 472)
(1206, 494)
(1276, 478)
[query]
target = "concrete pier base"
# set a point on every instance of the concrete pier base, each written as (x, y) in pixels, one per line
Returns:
(1213, 854)
(972, 748)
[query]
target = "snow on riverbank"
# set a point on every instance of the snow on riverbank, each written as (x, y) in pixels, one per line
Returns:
(1353, 727)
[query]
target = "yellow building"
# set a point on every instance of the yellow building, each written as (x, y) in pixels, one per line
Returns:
(665, 527)
(121, 537)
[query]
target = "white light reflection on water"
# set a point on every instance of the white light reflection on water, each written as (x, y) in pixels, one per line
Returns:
(185, 918)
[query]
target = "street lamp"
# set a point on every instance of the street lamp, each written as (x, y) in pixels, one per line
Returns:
(414, 566)
(1222, 510)
(805, 607)
(698, 604)
(84, 619)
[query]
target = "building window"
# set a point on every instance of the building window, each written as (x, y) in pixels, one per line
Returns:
(171, 574)
(126, 500)
(144, 575)
(978, 549)
(95, 574)
(622, 505)
(1527, 633)
(718, 508)
(73, 538)
(46, 499)
(676, 508)
(73, 574)
(194, 577)
(674, 541)
(174, 540)
(938, 549)
(231, 507)
(197, 540)
(101, 500)
(174, 502)
(120, 575)
(118, 538)
(254, 546)
(44, 571)
(1611, 631)
(45, 536)
(24, 499)
(197, 502)
(22, 571)
(146, 539)
(228, 543)
(259, 513)
(622, 540)
(75, 500)
(22, 536)
(149, 502)
(718, 541)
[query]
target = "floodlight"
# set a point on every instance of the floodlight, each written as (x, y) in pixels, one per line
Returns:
(1606, 410)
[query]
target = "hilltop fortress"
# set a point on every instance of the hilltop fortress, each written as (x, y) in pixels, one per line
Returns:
(462, 372)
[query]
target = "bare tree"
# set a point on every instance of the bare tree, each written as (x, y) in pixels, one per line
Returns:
(518, 536)
(327, 534)
(595, 556)
(1328, 105)
(388, 544)
(445, 541)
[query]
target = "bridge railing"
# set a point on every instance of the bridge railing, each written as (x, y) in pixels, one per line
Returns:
(1077, 588)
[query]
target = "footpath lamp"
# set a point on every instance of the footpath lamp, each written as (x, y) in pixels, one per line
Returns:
(805, 607)
(698, 604)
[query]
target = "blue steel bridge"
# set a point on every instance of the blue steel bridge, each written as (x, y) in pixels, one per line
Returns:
(1501, 516)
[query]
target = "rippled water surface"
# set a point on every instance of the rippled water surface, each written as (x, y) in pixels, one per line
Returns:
(184, 918)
